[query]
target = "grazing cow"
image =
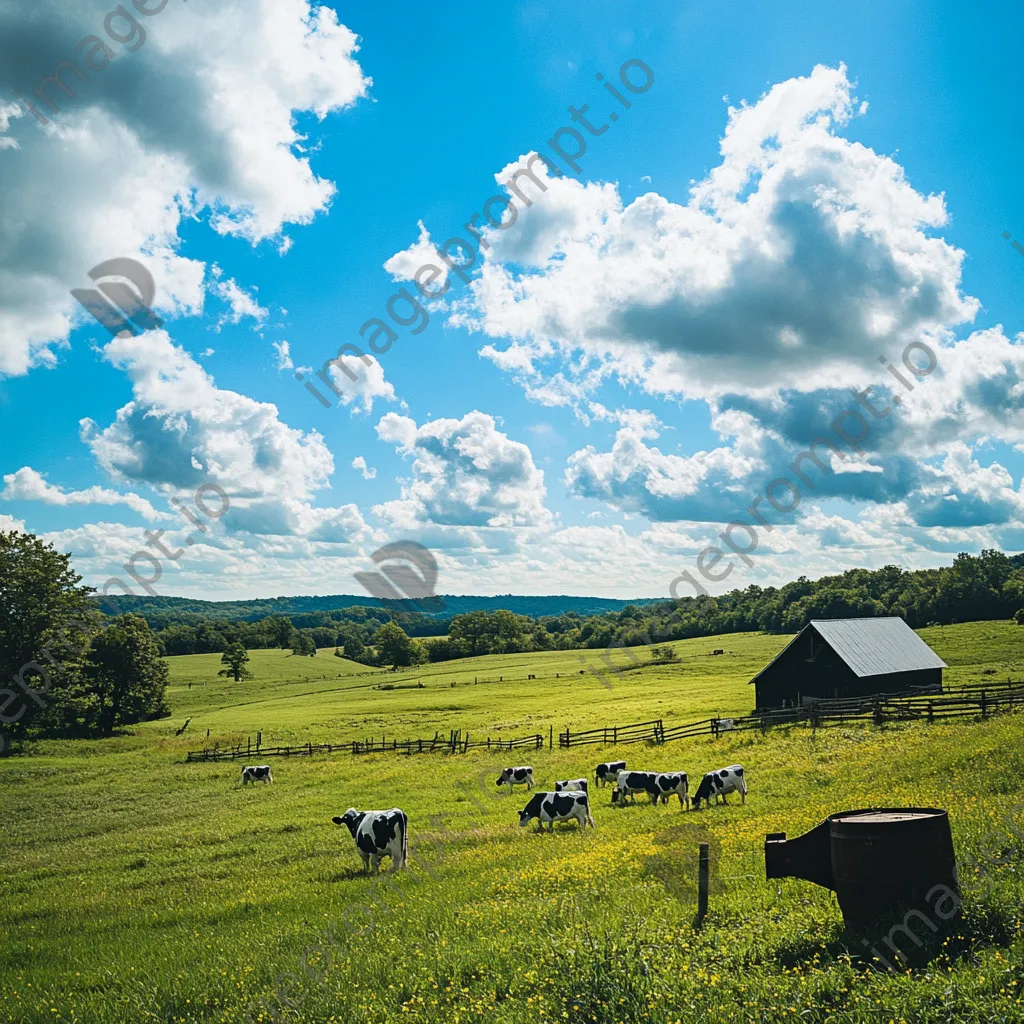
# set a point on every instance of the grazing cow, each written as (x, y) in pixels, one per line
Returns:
(522, 776)
(667, 783)
(256, 771)
(571, 805)
(608, 771)
(717, 784)
(378, 834)
(566, 784)
(631, 783)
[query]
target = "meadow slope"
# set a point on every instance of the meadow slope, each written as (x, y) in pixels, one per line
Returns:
(137, 887)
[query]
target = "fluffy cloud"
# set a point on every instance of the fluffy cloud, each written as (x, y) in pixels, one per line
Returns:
(365, 386)
(403, 265)
(797, 260)
(284, 356)
(723, 484)
(181, 430)
(369, 473)
(28, 485)
(8, 524)
(240, 303)
(465, 473)
(197, 120)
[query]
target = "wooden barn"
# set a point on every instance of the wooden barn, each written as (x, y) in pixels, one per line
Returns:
(836, 658)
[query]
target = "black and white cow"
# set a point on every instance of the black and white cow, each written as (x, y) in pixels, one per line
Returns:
(378, 834)
(667, 783)
(567, 784)
(631, 783)
(716, 784)
(256, 771)
(608, 771)
(522, 776)
(547, 808)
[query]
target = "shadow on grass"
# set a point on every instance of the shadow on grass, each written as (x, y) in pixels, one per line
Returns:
(347, 875)
(905, 941)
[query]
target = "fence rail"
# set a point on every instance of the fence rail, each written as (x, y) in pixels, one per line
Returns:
(453, 743)
(614, 734)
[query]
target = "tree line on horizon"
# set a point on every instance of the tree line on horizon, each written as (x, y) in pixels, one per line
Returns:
(973, 587)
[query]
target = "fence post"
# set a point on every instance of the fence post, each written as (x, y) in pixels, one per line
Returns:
(984, 705)
(615, 735)
(248, 747)
(703, 875)
(551, 737)
(931, 712)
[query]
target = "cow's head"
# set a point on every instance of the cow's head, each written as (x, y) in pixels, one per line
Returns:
(506, 774)
(532, 809)
(704, 791)
(350, 819)
(617, 794)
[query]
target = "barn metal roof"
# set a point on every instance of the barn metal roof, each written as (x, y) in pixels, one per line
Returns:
(871, 647)
(875, 647)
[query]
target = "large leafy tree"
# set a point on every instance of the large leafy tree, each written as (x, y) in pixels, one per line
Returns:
(125, 673)
(393, 645)
(235, 658)
(302, 644)
(46, 620)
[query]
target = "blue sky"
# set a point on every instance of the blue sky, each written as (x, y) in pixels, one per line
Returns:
(645, 350)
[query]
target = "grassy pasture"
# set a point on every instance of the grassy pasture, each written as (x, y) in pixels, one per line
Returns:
(138, 888)
(297, 699)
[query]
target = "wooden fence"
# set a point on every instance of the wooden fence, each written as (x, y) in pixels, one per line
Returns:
(967, 700)
(454, 743)
(614, 734)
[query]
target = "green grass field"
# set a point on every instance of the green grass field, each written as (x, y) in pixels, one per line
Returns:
(140, 888)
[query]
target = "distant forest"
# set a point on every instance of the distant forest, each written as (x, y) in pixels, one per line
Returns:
(986, 586)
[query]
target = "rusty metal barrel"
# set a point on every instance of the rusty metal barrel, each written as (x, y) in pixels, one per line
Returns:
(876, 860)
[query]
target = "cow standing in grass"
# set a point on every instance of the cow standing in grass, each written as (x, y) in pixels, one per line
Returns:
(667, 783)
(567, 784)
(628, 784)
(522, 776)
(608, 771)
(718, 783)
(378, 834)
(256, 771)
(573, 805)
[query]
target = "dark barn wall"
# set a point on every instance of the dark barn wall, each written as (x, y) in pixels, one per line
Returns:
(793, 676)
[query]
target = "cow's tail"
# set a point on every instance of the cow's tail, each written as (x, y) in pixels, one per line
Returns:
(405, 840)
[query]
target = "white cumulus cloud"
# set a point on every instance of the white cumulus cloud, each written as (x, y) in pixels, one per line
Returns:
(28, 485)
(465, 473)
(197, 121)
